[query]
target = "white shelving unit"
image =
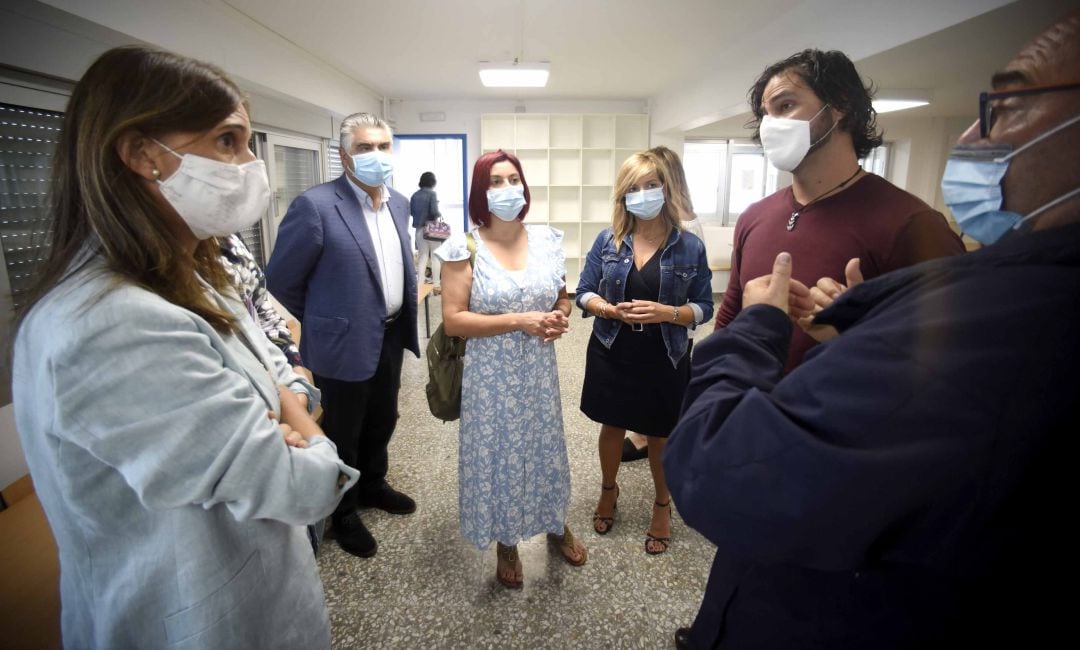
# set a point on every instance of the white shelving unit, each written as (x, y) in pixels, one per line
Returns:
(570, 162)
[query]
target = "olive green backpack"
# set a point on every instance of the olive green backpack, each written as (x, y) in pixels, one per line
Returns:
(446, 364)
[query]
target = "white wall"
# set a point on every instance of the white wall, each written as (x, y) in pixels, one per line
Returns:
(921, 148)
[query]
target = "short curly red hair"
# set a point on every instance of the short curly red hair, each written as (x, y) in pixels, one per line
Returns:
(481, 182)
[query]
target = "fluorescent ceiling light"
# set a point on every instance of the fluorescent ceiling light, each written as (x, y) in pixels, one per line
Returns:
(514, 74)
(888, 101)
(890, 105)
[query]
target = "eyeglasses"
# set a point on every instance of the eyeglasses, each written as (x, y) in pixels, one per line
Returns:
(986, 101)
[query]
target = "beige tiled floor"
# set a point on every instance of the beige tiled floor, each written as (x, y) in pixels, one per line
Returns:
(428, 588)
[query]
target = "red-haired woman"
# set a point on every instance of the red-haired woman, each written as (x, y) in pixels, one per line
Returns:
(511, 304)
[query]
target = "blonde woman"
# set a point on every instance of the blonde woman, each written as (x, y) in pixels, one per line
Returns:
(647, 282)
(636, 446)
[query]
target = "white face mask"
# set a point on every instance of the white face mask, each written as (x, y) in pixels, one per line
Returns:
(786, 142)
(216, 199)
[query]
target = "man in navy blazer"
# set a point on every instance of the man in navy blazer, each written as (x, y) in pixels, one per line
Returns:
(342, 264)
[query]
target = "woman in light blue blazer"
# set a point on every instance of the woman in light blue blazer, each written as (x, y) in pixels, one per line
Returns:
(168, 440)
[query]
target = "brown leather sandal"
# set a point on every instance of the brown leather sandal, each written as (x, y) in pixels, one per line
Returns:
(565, 544)
(508, 557)
(607, 523)
(662, 541)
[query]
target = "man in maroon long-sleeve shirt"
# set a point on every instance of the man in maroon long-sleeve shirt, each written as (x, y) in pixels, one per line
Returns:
(815, 120)
(833, 211)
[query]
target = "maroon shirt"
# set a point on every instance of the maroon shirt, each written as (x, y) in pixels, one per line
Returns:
(881, 224)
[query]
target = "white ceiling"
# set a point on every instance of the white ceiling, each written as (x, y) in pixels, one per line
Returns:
(598, 49)
(607, 49)
(954, 64)
(689, 61)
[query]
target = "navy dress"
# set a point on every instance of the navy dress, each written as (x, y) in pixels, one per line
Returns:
(633, 385)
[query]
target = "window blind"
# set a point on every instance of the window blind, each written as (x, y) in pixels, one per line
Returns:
(28, 139)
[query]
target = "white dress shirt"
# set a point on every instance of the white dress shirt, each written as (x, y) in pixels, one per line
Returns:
(384, 234)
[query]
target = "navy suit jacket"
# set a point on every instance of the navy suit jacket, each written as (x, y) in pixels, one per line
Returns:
(324, 270)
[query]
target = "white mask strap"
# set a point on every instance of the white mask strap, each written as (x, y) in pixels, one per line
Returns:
(166, 148)
(1058, 201)
(1064, 125)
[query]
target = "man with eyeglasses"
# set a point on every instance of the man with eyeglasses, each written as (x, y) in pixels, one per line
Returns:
(910, 484)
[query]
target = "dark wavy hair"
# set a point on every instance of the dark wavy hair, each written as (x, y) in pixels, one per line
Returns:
(427, 179)
(833, 78)
(481, 182)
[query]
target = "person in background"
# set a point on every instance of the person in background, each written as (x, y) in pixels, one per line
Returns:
(815, 119)
(904, 486)
(680, 191)
(424, 207)
(636, 446)
(251, 284)
(342, 265)
(510, 302)
(647, 281)
(164, 434)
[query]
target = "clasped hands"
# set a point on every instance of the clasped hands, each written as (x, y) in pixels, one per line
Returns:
(548, 325)
(780, 290)
(643, 312)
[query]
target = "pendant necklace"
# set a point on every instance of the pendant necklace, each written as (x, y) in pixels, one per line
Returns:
(795, 215)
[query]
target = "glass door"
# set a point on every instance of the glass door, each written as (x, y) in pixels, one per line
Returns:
(442, 154)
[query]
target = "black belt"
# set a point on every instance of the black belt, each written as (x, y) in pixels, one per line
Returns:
(389, 320)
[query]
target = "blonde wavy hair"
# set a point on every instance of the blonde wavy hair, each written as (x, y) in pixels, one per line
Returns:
(632, 169)
(680, 191)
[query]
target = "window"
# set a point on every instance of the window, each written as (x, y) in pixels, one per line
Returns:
(28, 139)
(725, 177)
(333, 160)
(877, 161)
(294, 166)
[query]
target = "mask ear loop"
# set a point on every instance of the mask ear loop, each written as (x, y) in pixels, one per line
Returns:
(831, 128)
(1064, 125)
(1023, 223)
(166, 148)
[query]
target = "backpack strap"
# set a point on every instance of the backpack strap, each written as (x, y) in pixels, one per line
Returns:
(470, 243)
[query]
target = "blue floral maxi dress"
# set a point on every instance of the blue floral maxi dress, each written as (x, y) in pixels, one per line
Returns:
(513, 471)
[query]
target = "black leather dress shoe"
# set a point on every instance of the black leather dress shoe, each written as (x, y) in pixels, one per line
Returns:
(682, 638)
(631, 453)
(388, 499)
(353, 536)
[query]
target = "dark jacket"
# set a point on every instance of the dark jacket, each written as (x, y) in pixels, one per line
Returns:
(324, 270)
(424, 207)
(684, 280)
(909, 484)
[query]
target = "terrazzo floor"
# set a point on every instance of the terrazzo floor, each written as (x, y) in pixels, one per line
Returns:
(428, 588)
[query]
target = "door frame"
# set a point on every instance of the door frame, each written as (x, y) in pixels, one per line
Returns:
(464, 162)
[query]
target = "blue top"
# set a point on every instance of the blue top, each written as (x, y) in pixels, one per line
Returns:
(684, 279)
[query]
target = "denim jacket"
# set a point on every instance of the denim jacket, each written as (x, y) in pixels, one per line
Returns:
(684, 279)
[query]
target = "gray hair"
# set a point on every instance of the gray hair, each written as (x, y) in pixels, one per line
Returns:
(356, 121)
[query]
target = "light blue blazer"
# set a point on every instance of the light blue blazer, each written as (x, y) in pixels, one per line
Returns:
(325, 272)
(177, 508)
